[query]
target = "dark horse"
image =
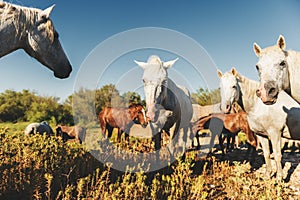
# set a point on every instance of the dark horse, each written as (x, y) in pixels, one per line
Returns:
(121, 118)
(229, 124)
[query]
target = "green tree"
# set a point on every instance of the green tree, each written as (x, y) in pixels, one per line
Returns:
(14, 104)
(83, 102)
(132, 97)
(206, 97)
(27, 106)
(43, 109)
(107, 96)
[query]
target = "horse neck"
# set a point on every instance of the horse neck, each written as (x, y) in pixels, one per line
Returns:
(293, 60)
(15, 21)
(168, 98)
(132, 112)
(248, 93)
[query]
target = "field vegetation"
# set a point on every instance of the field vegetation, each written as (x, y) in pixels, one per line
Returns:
(40, 167)
(46, 168)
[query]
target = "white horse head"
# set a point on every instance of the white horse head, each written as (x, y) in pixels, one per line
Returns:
(43, 44)
(272, 68)
(155, 80)
(31, 29)
(230, 90)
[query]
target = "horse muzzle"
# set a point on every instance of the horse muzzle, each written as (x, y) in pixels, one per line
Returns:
(268, 94)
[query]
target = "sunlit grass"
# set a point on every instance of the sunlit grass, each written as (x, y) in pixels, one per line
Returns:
(38, 167)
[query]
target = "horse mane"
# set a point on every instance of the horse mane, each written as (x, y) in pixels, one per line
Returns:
(251, 85)
(23, 17)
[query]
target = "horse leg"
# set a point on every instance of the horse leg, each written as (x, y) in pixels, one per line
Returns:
(266, 149)
(212, 141)
(198, 141)
(103, 127)
(109, 131)
(232, 144)
(221, 143)
(275, 138)
(174, 136)
(185, 137)
(157, 144)
(228, 139)
(126, 137)
(119, 135)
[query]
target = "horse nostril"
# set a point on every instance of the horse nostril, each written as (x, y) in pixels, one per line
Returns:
(272, 92)
(227, 107)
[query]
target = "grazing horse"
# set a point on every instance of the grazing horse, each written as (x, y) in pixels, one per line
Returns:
(31, 29)
(269, 122)
(71, 132)
(231, 124)
(39, 128)
(278, 70)
(162, 92)
(121, 118)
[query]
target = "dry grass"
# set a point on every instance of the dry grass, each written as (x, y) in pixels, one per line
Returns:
(45, 168)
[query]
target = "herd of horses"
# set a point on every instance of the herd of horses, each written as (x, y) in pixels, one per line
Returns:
(66, 133)
(271, 106)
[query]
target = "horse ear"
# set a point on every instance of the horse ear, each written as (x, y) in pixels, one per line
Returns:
(141, 64)
(234, 71)
(220, 74)
(46, 13)
(285, 109)
(281, 42)
(169, 63)
(257, 49)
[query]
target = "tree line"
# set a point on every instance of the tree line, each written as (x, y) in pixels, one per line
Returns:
(30, 107)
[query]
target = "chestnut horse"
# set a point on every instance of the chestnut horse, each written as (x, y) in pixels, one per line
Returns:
(121, 118)
(71, 132)
(230, 124)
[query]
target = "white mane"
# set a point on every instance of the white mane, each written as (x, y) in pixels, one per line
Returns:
(22, 17)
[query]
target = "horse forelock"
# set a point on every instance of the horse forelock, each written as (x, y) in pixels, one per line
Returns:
(154, 59)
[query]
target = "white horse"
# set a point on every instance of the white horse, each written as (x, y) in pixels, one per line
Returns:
(32, 30)
(270, 122)
(278, 70)
(162, 92)
(39, 128)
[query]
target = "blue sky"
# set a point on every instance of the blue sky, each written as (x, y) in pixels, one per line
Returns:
(225, 29)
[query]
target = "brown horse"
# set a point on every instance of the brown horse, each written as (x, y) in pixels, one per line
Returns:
(229, 124)
(71, 132)
(121, 118)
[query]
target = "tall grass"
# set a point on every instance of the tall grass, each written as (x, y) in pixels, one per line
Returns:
(38, 167)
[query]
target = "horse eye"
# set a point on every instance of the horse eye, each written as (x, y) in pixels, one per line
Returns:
(234, 87)
(44, 19)
(282, 64)
(257, 68)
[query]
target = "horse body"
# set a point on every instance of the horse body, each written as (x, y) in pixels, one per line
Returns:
(278, 70)
(71, 132)
(268, 121)
(202, 111)
(39, 128)
(121, 118)
(31, 29)
(231, 124)
(162, 92)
